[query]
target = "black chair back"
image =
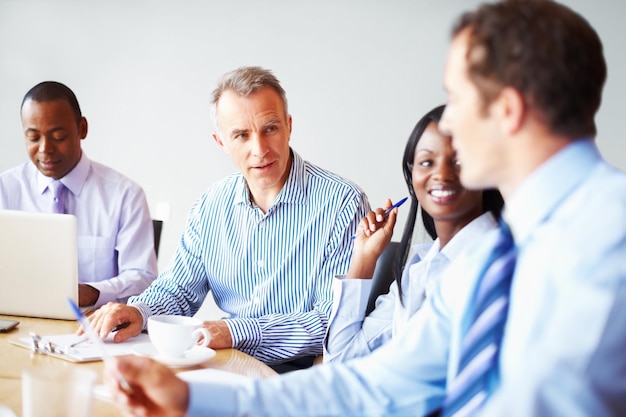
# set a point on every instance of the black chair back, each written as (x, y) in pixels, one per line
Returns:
(383, 275)
(158, 227)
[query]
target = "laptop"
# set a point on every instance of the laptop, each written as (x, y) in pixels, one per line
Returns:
(38, 264)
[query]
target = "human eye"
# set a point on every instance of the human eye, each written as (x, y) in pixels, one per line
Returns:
(59, 136)
(240, 136)
(425, 163)
(32, 137)
(456, 165)
(271, 129)
(271, 126)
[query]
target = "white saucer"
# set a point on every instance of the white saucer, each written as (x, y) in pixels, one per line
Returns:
(193, 356)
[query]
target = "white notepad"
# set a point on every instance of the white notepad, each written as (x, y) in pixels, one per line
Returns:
(85, 351)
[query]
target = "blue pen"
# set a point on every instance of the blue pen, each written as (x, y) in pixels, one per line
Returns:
(385, 214)
(97, 341)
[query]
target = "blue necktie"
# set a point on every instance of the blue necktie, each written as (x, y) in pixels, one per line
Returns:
(478, 367)
(58, 191)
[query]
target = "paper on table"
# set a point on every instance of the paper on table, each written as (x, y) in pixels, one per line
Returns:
(85, 351)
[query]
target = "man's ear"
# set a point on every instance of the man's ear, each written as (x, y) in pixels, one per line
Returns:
(218, 140)
(512, 109)
(83, 128)
(289, 123)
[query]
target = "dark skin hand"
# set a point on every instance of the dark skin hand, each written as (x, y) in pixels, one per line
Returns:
(374, 233)
(87, 295)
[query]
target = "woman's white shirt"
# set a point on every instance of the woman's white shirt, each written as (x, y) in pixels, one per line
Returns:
(352, 334)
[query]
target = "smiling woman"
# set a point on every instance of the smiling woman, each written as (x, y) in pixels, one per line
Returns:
(437, 186)
(453, 216)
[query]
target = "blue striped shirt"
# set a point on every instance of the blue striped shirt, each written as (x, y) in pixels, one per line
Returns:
(272, 273)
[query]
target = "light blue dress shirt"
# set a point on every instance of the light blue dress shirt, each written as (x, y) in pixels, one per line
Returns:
(564, 344)
(115, 235)
(270, 272)
(351, 334)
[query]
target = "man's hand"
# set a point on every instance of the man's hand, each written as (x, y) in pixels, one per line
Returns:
(110, 315)
(220, 334)
(87, 295)
(156, 391)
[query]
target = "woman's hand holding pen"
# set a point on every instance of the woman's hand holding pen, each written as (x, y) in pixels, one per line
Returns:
(373, 235)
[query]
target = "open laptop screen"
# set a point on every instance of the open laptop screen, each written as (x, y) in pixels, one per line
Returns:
(38, 264)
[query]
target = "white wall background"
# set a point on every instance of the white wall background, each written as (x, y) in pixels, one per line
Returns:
(358, 76)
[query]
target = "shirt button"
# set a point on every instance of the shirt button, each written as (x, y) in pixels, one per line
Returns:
(260, 263)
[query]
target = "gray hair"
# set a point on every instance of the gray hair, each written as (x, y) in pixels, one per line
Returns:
(245, 81)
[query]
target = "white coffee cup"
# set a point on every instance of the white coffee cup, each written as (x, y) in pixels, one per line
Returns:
(173, 336)
(57, 391)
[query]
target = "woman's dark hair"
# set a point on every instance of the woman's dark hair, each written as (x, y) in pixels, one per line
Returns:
(492, 199)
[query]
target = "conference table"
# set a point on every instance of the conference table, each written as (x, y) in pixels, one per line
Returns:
(13, 359)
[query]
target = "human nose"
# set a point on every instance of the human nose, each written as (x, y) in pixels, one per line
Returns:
(45, 145)
(259, 146)
(445, 171)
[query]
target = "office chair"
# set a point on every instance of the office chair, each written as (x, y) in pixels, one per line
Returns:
(383, 275)
(158, 227)
(381, 281)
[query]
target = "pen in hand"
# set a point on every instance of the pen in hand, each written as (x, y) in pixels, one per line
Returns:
(385, 214)
(120, 326)
(97, 341)
(113, 330)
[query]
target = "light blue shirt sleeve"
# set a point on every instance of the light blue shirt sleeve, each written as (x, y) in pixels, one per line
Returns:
(405, 377)
(350, 333)
(353, 388)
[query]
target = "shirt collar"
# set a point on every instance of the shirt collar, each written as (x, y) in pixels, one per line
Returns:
(428, 251)
(538, 196)
(463, 238)
(294, 190)
(73, 180)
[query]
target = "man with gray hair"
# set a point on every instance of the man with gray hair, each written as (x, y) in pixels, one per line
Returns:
(266, 241)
